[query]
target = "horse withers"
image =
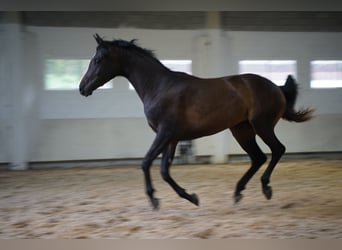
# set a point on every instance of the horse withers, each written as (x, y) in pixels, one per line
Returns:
(179, 106)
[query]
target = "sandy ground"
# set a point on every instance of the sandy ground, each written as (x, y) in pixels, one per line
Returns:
(111, 203)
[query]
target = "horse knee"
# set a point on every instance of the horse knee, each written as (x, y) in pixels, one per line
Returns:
(165, 175)
(279, 151)
(145, 165)
(260, 160)
(283, 149)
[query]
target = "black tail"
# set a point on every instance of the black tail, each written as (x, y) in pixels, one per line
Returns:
(290, 92)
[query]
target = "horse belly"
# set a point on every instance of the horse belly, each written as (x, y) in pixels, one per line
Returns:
(203, 122)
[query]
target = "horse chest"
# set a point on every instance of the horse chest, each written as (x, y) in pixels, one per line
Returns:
(154, 114)
(153, 122)
(160, 112)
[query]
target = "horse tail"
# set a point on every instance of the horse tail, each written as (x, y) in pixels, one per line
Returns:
(290, 91)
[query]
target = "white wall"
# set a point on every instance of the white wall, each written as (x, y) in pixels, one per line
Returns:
(111, 124)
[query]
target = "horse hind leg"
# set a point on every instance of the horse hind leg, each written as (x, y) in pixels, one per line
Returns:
(245, 135)
(267, 134)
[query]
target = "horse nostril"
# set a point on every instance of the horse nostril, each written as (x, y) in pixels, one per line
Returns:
(81, 86)
(82, 91)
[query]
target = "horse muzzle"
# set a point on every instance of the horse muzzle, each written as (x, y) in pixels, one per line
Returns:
(85, 93)
(84, 90)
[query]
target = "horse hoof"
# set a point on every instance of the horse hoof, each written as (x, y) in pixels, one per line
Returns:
(267, 192)
(194, 199)
(237, 198)
(155, 203)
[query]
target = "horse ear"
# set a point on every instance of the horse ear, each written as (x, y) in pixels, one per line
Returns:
(133, 41)
(98, 39)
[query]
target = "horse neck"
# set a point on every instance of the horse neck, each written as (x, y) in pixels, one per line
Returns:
(145, 74)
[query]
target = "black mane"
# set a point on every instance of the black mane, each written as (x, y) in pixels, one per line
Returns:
(128, 46)
(131, 45)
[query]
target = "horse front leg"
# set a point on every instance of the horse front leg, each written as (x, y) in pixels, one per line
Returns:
(159, 144)
(146, 165)
(167, 159)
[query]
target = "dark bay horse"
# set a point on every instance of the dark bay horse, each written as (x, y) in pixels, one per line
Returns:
(180, 107)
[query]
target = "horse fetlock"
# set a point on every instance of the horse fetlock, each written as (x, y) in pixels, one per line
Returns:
(239, 187)
(265, 181)
(237, 197)
(149, 191)
(155, 203)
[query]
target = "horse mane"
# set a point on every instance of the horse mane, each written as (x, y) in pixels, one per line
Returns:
(132, 45)
(129, 46)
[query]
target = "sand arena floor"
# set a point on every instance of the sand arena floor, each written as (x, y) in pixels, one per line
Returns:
(111, 203)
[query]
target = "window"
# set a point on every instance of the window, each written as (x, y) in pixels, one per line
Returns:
(326, 74)
(275, 70)
(175, 65)
(65, 74)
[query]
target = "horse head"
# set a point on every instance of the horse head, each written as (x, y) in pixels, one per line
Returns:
(103, 67)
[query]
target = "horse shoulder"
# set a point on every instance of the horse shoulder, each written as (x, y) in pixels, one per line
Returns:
(160, 109)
